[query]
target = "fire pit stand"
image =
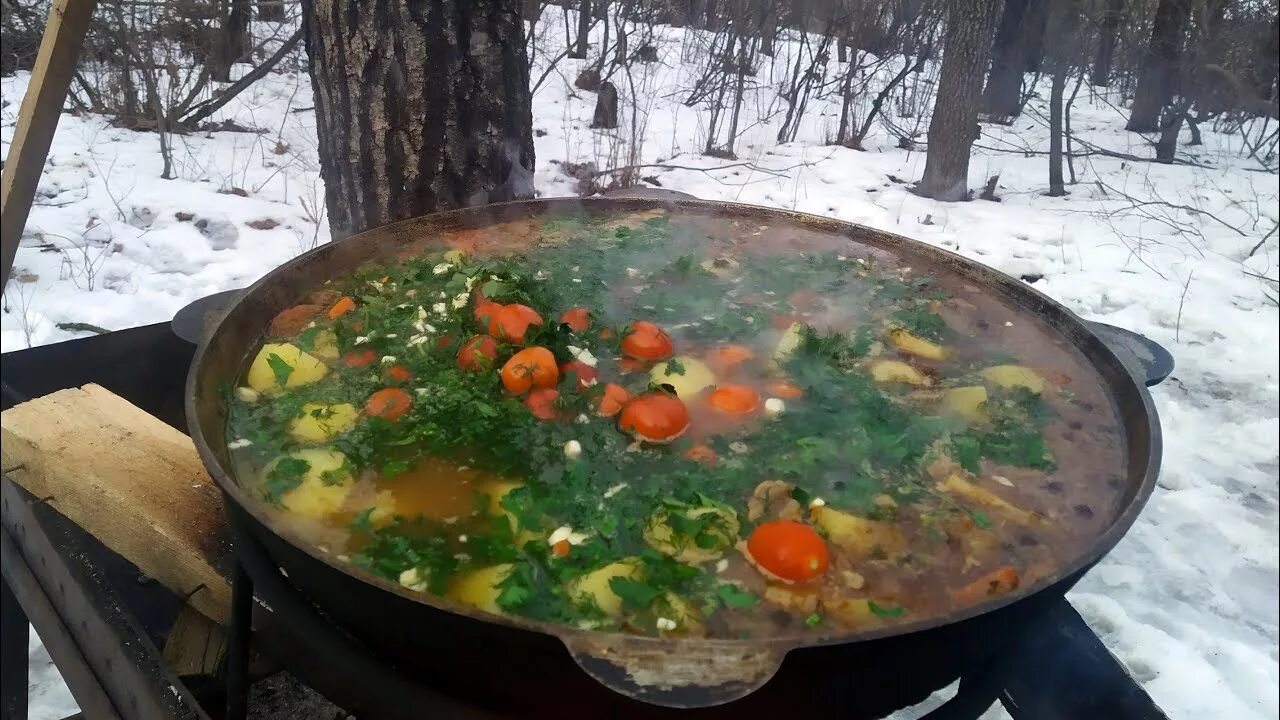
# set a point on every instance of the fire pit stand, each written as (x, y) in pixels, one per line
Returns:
(103, 622)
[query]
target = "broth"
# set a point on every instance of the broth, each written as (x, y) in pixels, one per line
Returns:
(678, 424)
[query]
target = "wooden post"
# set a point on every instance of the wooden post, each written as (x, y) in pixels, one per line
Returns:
(37, 120)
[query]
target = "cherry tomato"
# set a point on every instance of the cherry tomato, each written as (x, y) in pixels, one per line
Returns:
(647, 341)
(734, 399)
(359, 358)
(478, 353)
(533, 367)
(512, 322)
(612, 400)
(656, 417)
(790, 550)
(388, 404)
(578, 319)
(542, 403)
(587, 375)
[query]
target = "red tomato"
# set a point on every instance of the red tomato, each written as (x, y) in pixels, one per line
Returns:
(399, 373)
(578, 319)
(647, 342)
(478, 353)
(790, 550)
(587, 375)
(512, 322)
(388, 404)
(542, 403)
(359, 358)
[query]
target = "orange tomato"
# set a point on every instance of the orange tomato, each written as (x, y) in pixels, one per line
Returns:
(612, 400)
(533, 367)
(560, 549)
(399, 373)
(734, 399)
(486, 310)
(478, 353)
(587, 375)
(360, 358)
(388, 404)
(790, 550)
(656, 417)
(782, 322)
(444, 342)
(542, 403)
(784, 389)
(726, 358)
(630, 365)
(512, 322)
(578, 319)
(702, 454)
(647, 342)
(342, 307)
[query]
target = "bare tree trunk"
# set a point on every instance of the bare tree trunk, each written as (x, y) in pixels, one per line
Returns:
(271, 10)
(769, 30)
(1018, 26)
(1159, 66)
(232, 43)
(419, 108)
(1170, 127)
(1056, 187)
(1108, 35)
(579, 51)
(952, 129)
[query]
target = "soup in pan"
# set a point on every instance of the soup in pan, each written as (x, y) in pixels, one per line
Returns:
(677, 424)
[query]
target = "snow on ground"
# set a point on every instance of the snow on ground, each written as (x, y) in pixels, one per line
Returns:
(1188, 600)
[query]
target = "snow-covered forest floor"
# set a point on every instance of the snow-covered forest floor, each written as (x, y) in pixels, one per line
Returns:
(1188, 600)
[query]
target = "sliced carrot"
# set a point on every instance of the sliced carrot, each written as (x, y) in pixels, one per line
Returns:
(997, 582)
(785, 390)
(360, 358)
(389, 404)
(702, 454)
(342, 307)
(734, 399)
(560, 549)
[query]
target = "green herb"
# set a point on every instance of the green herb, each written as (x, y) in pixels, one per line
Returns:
(281, 369)
(980, 519)
(635, 593)
(734, 597)
(813, 620)
(891, 611)
(307, 338)
(362, 522)
(674, 367)
(285, 476)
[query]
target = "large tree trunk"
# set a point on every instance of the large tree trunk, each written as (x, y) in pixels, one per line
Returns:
(232, 43)
(579, 50)
(1156, 83)
(1019, 29)
(419, 107)
(1108, 35)
(952, 129)
(1057, 188)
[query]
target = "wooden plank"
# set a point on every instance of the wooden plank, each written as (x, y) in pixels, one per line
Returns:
(128, 479)
(38, 119)
(195, 645)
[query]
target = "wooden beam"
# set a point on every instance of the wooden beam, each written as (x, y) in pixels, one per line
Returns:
(38, 119)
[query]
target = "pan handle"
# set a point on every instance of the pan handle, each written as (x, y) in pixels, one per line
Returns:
(1147, 359)
(674, 673)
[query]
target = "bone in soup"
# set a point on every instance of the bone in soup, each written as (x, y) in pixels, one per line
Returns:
(677, 424)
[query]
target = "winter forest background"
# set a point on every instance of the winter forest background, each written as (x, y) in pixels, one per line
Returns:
(1121, 155)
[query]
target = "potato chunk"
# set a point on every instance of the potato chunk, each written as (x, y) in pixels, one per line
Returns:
(719, 533)
(788, 343)
(957, 485)
(325, 345)
(908, 343)
(695, 378)
(318, 422)
(324, 485)
(595, 584)
(966, 402)
(302, 368)
(479, 588)
(1012, 376)
(895, 371)
(859, 536)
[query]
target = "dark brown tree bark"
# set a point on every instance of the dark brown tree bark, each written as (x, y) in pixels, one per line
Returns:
(1017, 31)
(1063, 54)
(1108, 35)
(271, 10)
(1157, 80)
(232, 43)
(606, 113)
(970, 24)
(579, 50)
(419, 107)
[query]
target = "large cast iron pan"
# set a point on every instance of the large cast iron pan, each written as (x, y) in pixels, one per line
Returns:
(525, 664)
